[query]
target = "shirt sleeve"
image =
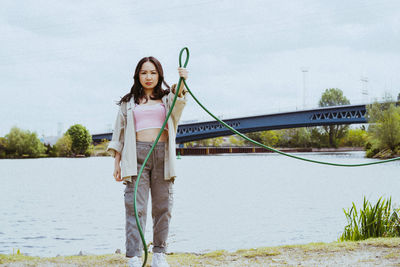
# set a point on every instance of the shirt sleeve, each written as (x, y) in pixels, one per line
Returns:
(117, 141)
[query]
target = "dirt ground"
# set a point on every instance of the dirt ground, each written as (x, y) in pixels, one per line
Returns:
(371, 252)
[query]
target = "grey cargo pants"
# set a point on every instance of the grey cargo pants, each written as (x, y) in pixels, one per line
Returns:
(152, 179)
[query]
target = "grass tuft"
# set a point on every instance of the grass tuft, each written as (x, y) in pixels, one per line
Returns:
(377, 220)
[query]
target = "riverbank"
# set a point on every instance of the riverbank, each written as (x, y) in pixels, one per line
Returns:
(378, 251)
(383, 154)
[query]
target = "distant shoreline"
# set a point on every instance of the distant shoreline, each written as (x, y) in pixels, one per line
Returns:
(191, 151)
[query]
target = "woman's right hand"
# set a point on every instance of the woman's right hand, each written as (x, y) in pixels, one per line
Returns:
(117, 173)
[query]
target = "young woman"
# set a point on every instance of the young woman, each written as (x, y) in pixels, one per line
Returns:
(140, 117)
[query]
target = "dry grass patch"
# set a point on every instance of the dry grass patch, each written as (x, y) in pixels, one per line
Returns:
(216, 254)
(258, 252)
(381, 242)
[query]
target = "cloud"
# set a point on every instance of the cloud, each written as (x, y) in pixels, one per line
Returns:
(68, 61)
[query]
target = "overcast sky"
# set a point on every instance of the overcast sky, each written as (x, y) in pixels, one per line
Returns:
(69, 61)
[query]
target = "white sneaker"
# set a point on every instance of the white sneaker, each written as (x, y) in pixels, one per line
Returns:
(135, 262)
(159, 260)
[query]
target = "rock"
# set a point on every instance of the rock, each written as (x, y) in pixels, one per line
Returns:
(118, 251)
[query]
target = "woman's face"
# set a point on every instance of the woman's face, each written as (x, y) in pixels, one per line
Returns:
(148, 75)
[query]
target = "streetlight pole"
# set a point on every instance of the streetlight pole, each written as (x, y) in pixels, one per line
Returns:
(364, 89)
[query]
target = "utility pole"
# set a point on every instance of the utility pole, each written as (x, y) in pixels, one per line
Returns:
(305, 71)
(60, 127)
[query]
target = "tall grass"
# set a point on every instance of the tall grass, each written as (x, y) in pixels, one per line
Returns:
(371, 221)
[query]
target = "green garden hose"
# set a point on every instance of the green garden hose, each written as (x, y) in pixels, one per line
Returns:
(231, 129)
(283, 153)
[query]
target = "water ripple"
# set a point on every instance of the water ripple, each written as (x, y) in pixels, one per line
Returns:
(68, 239)
(33, 237)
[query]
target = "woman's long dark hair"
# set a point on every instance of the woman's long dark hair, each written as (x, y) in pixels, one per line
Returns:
(137, 91)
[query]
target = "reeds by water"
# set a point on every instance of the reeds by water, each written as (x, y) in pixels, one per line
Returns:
(371, 221)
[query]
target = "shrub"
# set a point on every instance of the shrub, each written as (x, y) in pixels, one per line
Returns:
(99, 149)
(355, 138)
(50, 150)
(89, 151)
(63, 147)
(371, 152)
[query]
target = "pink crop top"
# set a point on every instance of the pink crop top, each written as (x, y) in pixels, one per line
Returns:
(149, 116)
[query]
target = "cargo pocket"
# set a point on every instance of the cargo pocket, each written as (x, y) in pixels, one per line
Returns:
(128, 197)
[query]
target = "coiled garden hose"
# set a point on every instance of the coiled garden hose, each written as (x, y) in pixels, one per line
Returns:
(231, 129)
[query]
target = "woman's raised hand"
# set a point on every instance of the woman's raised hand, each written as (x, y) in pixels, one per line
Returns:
(183, 72)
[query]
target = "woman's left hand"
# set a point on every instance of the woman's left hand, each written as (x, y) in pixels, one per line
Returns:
(183, 73)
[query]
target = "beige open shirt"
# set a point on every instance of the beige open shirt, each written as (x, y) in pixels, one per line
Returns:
(124, 137)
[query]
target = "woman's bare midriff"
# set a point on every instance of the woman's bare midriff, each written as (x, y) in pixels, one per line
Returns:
(150, 135)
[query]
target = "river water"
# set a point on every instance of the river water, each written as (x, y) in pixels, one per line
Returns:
(60, 206)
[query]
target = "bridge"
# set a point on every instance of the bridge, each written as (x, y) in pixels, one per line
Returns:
(349, 114)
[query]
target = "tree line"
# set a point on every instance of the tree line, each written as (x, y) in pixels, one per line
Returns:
(293, 138)
(19, 143)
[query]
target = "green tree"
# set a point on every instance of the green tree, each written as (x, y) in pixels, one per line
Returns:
(3, 147)
(334, 97)
(256, 136)
(203, 142)
(295, 137)
(285, 137)
(214, 142)
(318, 138)
(217, 141)
(189, 144)
(23, 143)
(236, 140)
(269, 138)
(302, 137)
(81, 138)
(63, 147)
(384, 128)
(50, 150)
